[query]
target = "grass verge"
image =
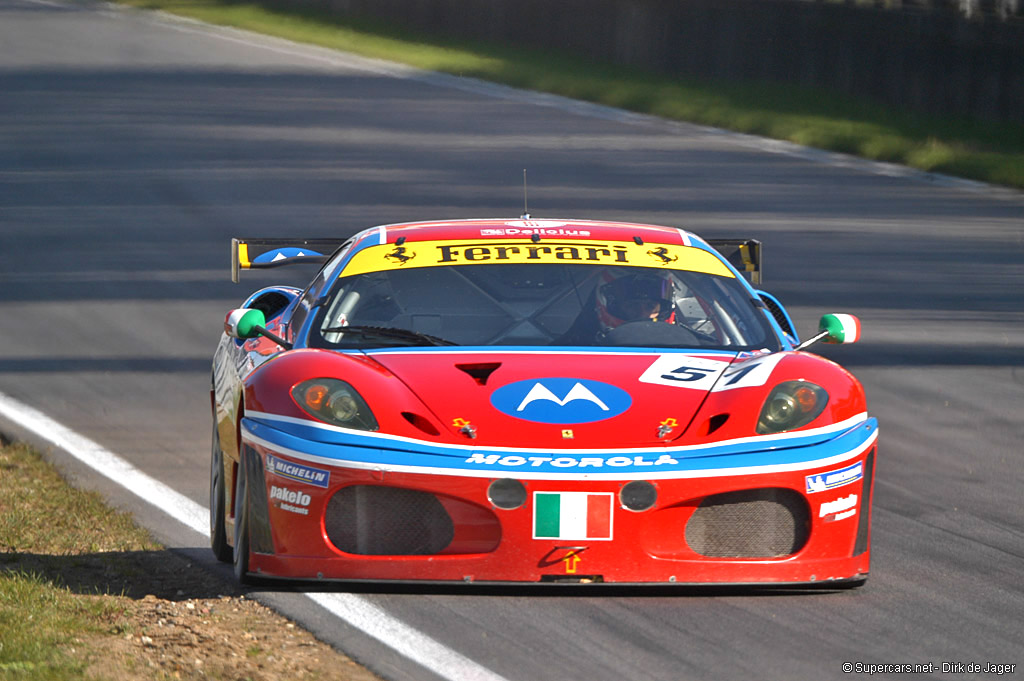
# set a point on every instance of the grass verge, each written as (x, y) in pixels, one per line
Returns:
(86, 594)
(43, 524)
(989, 152)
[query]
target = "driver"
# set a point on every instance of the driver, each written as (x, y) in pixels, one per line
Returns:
(634, 297)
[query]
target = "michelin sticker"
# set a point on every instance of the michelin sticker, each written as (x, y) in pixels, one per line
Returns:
(297, 472)
(844, 476)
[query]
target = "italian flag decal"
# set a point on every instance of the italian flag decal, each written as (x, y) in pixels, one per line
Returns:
(572, 515)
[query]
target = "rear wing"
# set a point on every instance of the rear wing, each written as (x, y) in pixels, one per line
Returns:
(743, 254)
(254, 254)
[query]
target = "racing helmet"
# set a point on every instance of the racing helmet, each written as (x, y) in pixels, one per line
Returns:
(646, 296)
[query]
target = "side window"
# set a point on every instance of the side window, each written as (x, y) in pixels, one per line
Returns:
(306, 302)
(316, 289)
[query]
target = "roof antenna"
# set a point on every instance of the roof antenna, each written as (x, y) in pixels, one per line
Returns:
(526, 208)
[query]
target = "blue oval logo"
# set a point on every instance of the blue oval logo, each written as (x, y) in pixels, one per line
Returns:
(561, 400)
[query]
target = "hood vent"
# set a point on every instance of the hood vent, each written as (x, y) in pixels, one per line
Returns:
(420, 422)
(479, 372)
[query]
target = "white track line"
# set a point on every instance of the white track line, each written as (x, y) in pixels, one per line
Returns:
(177, 505)
(355, 610)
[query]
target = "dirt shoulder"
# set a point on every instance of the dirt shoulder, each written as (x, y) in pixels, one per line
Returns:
(87, 595)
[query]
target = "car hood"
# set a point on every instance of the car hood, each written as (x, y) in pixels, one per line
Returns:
(560, 400)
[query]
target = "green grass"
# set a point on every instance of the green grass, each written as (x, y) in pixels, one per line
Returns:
(42, 622)
(77, 522)
(990, 152)
(41, 618)
(85, 594)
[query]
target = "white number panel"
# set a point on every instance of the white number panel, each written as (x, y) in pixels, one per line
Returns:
(702, 373)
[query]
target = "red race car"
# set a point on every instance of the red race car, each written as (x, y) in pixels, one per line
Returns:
(534, 401)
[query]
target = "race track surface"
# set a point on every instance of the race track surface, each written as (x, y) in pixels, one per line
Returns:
(134, 146)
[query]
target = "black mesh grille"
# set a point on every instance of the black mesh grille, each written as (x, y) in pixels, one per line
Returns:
(759, 523)
(387, 521)
(864, 522)
(779, 315)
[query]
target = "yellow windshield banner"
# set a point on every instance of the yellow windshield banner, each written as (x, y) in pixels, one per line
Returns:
(416, 254)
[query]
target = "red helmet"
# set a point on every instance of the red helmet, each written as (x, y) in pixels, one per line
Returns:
(646, 296)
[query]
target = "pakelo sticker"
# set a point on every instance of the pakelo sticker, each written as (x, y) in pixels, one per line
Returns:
(840, 509)
(290, 500)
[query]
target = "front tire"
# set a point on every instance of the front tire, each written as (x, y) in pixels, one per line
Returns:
(218, 533)
(241, 552)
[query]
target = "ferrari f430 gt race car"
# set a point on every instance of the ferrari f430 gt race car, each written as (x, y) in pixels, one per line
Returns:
(534, 401)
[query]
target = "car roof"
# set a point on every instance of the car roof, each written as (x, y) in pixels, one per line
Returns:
(525, 227)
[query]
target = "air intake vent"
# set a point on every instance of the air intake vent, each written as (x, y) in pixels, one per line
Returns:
(387, 521)
(759, 523)
(421, 422)
(779, 315)
(479, 372)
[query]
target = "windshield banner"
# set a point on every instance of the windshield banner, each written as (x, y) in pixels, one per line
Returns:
(415, 254)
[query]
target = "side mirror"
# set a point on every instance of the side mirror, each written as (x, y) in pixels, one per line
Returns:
(244, 323)
(835, 328)
(840, 328)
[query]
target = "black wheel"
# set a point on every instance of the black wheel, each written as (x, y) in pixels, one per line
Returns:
(241, 552)
(218, 535)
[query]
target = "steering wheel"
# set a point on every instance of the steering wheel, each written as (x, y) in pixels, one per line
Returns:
(651, 334)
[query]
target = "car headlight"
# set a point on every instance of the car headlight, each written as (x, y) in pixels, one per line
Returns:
(335, 402)
(790, 405)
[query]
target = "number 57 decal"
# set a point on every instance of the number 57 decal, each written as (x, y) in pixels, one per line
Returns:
(702, 373)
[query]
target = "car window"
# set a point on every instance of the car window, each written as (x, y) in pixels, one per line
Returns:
(541, 305)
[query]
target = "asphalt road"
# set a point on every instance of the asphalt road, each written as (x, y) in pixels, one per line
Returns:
(132, 147)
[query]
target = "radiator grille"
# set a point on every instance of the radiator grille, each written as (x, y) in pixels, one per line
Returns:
(387, 521)
(759, 523)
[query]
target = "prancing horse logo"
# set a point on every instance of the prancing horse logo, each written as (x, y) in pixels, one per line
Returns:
(398, 255)
(561, 400)
(662, 252)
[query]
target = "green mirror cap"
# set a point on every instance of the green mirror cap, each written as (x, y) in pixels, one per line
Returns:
(242, 323)
(841, 328)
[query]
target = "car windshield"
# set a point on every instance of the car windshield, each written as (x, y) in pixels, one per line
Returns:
(540, 305)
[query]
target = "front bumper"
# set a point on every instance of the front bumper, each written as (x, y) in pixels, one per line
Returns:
(341, 512)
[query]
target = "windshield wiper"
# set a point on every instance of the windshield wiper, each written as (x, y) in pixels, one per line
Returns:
(388, 332)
